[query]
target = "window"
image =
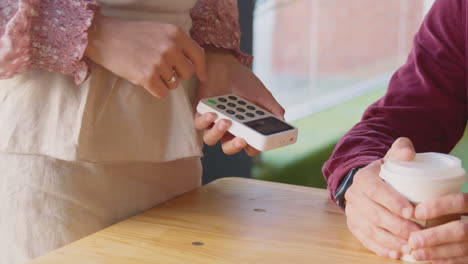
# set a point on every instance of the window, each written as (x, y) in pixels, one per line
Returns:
(313, 54)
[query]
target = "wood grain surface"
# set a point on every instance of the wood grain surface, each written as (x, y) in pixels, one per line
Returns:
(231, 220)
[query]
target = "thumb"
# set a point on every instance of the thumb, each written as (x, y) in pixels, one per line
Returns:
(402, 149)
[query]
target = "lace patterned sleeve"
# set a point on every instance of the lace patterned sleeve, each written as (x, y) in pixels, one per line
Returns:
(45, 34)
(216, 22)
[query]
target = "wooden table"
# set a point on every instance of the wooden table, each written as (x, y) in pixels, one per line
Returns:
(232, 220)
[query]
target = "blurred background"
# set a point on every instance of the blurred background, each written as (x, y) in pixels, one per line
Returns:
(316, 54)
(325, 61)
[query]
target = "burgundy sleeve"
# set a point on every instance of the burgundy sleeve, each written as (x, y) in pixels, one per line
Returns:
(425, 101)
(216, 22)
(45, 34)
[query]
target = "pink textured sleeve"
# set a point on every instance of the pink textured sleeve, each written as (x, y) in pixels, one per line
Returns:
(216, 22)
(45, 34)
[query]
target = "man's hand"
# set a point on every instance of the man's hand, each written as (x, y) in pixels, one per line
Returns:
(227, 75)
(378, 215)
(444, 244)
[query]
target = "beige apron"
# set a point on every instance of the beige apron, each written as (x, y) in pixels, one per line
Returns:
(106, 119)
(74, 160)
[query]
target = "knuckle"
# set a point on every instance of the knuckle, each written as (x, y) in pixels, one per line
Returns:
(406, 228)
(158, 62)
(447, 261)
(372, 192)
(359, 176)
(168, 49)
(399, 206)
(432, 210)
(375, 218)
(400, 228)
(381, 252)
(460, 201)
(396, 227)
(358, 180)
(173, 30)
(396, 204)
(425, 253)
(426, 237)
(462, 229)
(463, 249)
(464, 232)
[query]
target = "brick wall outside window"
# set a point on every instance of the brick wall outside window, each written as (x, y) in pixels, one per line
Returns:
(314, 47)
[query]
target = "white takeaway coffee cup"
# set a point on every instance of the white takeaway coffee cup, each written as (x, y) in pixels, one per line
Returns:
(429, 176)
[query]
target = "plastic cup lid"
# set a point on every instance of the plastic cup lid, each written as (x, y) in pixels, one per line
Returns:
(427, 165)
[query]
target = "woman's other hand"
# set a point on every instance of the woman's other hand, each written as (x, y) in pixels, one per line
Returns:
(146, 53)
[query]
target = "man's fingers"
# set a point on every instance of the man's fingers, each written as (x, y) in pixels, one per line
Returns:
(204, 121)
(383, 218)
(447, 251)
(381, 230)
(215, 134)
(462, 260)
(382, 236)
(377, 190)
(391, 200)
(401, 149)
(452, 232)
(375, 247)
(456, 203)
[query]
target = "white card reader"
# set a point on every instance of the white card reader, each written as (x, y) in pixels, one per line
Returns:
(258, 127)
